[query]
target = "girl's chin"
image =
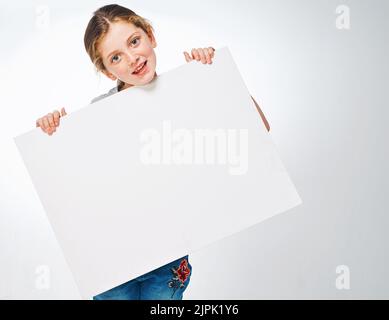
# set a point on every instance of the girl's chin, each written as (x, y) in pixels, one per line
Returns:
(146, 78)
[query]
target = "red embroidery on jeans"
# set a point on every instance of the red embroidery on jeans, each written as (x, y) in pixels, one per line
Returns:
(180, 275)
(183, 271)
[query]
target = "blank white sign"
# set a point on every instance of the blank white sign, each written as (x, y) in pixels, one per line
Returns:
(152, 173)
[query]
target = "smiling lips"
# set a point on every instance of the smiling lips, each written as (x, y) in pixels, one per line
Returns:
(140, 68)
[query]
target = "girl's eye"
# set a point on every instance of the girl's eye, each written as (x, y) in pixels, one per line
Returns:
(134, 41)
(113, 58)
(116, 58)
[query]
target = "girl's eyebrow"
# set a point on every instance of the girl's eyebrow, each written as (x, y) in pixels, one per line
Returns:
(118, 50)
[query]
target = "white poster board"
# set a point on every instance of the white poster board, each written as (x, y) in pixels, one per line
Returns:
(150, 174)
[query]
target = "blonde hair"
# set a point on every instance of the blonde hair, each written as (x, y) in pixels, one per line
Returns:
(98, 27)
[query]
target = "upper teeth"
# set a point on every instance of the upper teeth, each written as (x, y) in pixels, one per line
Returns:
(140, 67)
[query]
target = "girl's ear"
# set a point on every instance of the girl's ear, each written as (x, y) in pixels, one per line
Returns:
(152, 39)
(109, 74)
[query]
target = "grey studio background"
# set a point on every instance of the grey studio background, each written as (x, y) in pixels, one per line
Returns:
(322, 83)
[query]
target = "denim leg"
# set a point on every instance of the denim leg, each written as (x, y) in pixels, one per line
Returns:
(167, 282)
(126, 291)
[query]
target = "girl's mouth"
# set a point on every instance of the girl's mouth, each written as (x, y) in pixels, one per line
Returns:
(141, 70)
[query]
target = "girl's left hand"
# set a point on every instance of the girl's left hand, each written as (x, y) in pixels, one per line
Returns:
(204, 55)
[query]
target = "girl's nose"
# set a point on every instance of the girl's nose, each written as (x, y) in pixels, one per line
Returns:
(132, 59)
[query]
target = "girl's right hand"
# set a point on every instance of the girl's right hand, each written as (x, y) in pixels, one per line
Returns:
(50, 122)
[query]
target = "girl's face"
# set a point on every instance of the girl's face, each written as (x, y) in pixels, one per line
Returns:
(128, 54)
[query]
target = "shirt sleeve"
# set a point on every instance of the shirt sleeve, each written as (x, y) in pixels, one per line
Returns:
(102, 96)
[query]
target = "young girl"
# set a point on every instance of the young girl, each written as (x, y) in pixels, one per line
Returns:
(121, 45)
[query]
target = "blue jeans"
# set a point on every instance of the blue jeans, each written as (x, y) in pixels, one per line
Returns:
(165, 283)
